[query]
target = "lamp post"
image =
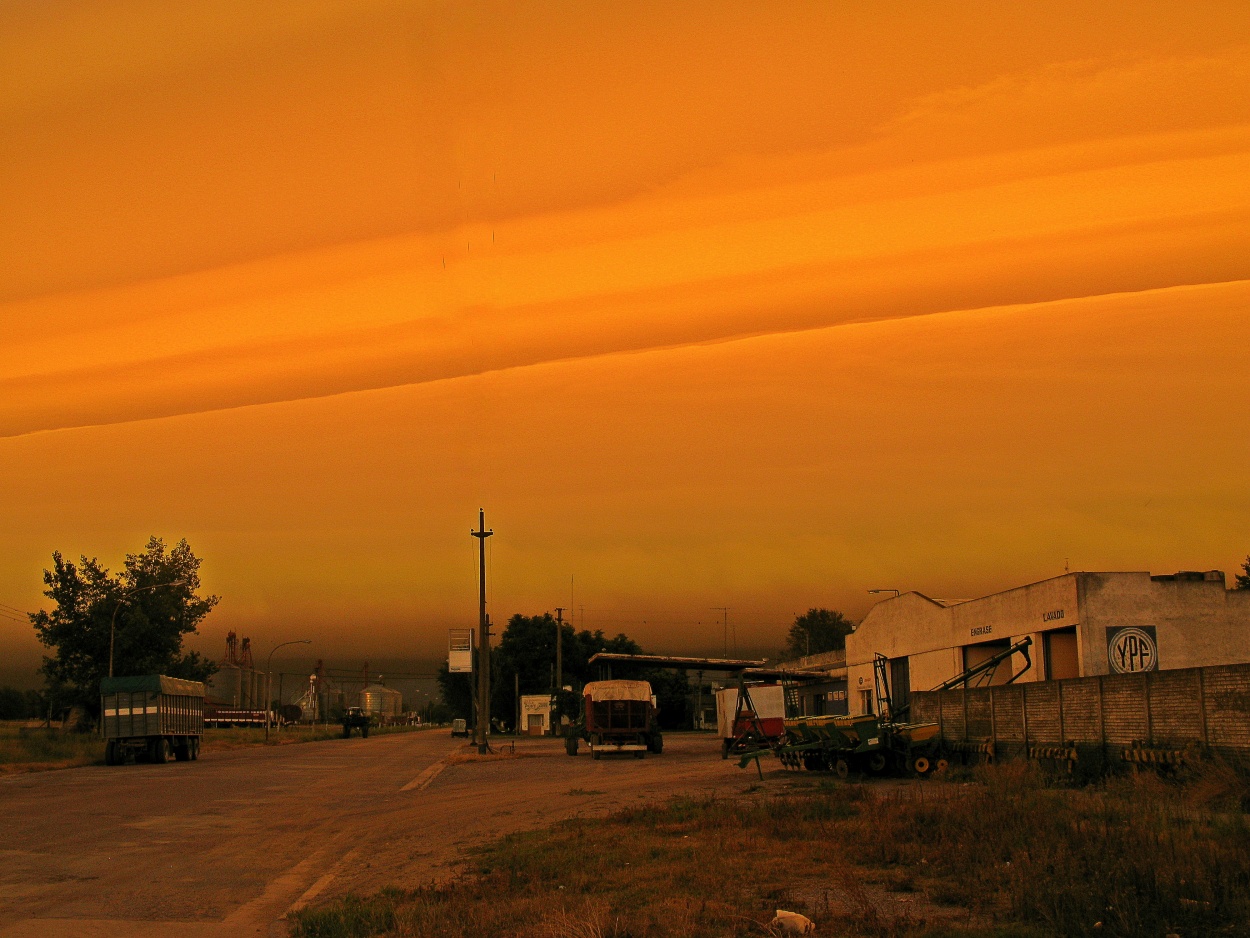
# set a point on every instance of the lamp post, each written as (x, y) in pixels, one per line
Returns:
(269, 680)
(121, 602)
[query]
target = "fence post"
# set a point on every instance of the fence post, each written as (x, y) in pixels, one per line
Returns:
(1202, 705)
(1024, 715)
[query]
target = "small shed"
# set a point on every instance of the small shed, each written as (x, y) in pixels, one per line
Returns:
(535, 715)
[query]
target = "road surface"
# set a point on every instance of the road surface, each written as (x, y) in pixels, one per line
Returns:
(231, 843)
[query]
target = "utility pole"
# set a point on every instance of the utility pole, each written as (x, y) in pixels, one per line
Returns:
(559, 648)
(724, 610)
(483, 646)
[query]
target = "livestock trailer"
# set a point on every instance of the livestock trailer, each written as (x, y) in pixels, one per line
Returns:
(619, 716)
(151, 716)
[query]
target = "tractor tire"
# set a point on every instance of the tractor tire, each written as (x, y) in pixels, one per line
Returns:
(921, 765)
(656, 744)
(570, 745)
(842, 768)
(813, 760)
(876, 763)
(941, 765)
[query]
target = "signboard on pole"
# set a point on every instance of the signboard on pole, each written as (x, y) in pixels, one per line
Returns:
(460, 651)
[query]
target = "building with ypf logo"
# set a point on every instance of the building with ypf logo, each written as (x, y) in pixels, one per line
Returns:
(1081, 624)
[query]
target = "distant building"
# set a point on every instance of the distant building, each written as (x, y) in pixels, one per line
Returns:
(1081, 624)
(535, 715)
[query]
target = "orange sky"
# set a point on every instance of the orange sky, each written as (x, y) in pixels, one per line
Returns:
(706, 304)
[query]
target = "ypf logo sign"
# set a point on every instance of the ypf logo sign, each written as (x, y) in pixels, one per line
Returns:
(1132, 650)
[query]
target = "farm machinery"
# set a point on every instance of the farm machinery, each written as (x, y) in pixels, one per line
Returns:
(875, 744)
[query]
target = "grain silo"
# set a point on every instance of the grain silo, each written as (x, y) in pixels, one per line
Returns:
(382, 702)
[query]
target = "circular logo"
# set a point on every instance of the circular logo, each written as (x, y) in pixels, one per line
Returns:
(1132, 651)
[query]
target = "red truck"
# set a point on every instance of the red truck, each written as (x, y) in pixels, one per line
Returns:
(619, 716)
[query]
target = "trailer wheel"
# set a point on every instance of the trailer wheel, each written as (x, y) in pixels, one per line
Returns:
(570, 745)
(842, 767)
(921, 765)
(110, 752)
(195, 748)
(657, 744)
(182, 752)
(941, 765)
(876, 763)
(158, 750)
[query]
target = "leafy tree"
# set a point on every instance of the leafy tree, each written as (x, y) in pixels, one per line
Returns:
(156, 606)
(12, 704)
(1243, 578)
(817, 631)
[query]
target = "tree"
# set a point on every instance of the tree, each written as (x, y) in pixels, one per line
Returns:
(816, 632)
(155, 603)
(1243, 578)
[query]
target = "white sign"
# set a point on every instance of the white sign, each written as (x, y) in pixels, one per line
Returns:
(460, 651)
(1132, 650)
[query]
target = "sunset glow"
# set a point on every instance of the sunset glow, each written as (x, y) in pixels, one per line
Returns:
(706, 305)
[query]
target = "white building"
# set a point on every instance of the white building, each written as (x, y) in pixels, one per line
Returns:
(1081, 624)
(535, 715)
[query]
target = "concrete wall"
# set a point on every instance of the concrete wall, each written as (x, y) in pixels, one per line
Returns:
(1197, 622)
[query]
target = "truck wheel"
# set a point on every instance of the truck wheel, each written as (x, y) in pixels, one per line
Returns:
(182, 752)
(158, 750)
(195, 748)
(570, 745)
(640, 755)
(657, 744)
(110, 752)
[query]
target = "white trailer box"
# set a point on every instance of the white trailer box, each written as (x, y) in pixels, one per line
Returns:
(769, 701)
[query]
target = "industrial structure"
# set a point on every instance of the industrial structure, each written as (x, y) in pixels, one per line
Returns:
(1081, 624)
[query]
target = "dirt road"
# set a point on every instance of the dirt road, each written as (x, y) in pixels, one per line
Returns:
(229, 844)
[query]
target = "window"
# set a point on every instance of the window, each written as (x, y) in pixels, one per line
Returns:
(865, 701)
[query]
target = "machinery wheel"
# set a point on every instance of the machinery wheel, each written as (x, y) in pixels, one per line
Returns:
(876, 763)
(182, 751)
(158, 750)
(657, 744)
(570, 745)
(921, 765)
(110, 752)
(812, 761)
(195, 748)
(941, 765)
(595, 754)
(842, 767)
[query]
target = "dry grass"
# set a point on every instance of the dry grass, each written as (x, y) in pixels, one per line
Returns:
(38, 749)
(1004, 855)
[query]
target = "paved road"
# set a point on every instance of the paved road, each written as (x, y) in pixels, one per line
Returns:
(229, 844)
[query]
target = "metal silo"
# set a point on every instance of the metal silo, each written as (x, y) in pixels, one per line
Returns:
(382, 702)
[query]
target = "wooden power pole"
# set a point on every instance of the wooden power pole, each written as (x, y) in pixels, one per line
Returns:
(483, 645)
(559, 648)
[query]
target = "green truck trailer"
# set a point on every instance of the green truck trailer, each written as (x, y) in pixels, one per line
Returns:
(151, 717)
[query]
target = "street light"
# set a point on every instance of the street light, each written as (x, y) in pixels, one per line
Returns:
(269, 679)
(121, 602)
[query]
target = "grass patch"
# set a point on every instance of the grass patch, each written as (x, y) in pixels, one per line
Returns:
(36, 748)
(1003, 855)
